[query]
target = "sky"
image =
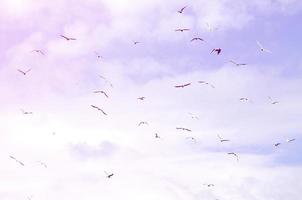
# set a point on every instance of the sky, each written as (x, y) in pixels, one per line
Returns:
(66, 145)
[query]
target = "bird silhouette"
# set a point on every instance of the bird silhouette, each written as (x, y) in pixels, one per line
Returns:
(182, 29)
(206, 83)
(108, 175)
(216, 50)
(102, 92)
(143, 123)
(24, 72)
(182, 86)
(234, 154)
(141, 98)
(184, 129)
(26, 112)
(21, 163)
(222, 140)
(67, 38)
(38, 51)
(237, 64)
(197, 39)
(262, 49)
(99, 109)
(182, 10)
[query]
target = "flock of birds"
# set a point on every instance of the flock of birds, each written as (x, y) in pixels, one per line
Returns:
(217, 51)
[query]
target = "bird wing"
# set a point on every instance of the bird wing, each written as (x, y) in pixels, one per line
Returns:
(21, 71)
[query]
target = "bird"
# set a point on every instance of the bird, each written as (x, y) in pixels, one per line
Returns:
(191, 138)
(67, 38)
(136, 42)
(182, 86)
(184, 129)
(262, 49)
(193, 116)
(290, 140)
(209, 185)
(106, 80)
(217, 50)
(143, 123)
(43, 164)
(243, 99)
(277, 144)
(197, 39)
(141, 98)
(234, 154)
(273, 101)
(24, 72)
(181, 10)
(102, 92)
(157, 136)
(182, 29)
(222, 140)
(21, 163)
(38, 51)
(237, 64)
(26, 112)
(99, 109)
(206, 83)
(108, 175)
(98, 55)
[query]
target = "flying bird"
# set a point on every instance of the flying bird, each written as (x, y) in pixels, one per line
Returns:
(206, 83)
(106, 80)
(216, 50)
(67, 38)
(136, 42)
(21, 163)
(209, 185)
(222, 140)
(182, 9)
(141, 98)
(197, 39)
(243, 99)
(98, 55)
(102, 92)
(191, 138)
(157, 136)
(182, 86)
(182, 29)
(273, 101)
(38, 51)
(262, 49)
(108, 175)
(43, 164)
(184, 129)
(99, 109)
(237, 64)
(290, 140)
(143, 123)
(277, 144)
(24, 72)
(193, 116)
(234, 154)
(26, 112)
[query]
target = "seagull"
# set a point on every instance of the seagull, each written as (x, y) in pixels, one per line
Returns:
(141, 98)
(26, 112)
(191, 138)
(216, 50)
(182, 29)
(182, 86)
(136, 42)
(272, 101)
(243, 99)
(222, 140)
(24, 72)
(206, 83)
(181, 10)
(108, 175)
(99, 109)
(234, 154)
(143, 123)
(157, 136)
(21, 163)
(67, 38)
(277, 144)
(43, 164)
(106, 80)
(101, 91)
(290, 140)
(193, 116)
(237, 64)
(262, 49)
(184, 129)
(98, 55)
(209, 185)
(38, 51)
(196, 39)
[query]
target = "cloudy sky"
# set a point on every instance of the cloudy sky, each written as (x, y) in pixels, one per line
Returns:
(78, 143)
